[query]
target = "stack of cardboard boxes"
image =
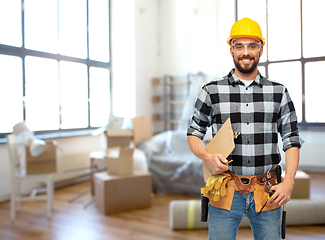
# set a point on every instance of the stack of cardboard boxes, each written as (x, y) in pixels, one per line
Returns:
(121, 188)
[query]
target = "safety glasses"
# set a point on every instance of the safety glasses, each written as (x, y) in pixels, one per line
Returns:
(251, 47)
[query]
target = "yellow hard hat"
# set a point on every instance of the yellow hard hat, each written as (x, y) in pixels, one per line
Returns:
(246, 28)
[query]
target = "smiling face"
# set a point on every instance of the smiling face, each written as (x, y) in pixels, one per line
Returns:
(246, 57)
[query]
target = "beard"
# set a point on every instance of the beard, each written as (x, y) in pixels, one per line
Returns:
(244, 68)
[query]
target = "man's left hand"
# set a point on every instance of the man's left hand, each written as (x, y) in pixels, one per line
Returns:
(282, 194)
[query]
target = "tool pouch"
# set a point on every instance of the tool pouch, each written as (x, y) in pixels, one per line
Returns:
(261, 195)
(256, 186)
(225, 202)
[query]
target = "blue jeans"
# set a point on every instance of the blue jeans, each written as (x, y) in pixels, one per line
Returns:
(224, 224)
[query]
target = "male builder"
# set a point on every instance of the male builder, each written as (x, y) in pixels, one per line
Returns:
(259, 109)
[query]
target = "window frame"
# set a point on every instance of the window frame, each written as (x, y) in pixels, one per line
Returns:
(22, 52)
(303, 60)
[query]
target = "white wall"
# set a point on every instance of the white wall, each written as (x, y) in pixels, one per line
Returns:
(151, 38)
(193, 36)
(146, 53)
(123, 57)
(134, 55)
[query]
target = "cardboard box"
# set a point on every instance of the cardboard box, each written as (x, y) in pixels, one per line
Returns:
(45, 163)
(141, 129)
(119, 161)
(122, 138)
(115, 194)
(301, 188)
(118, 137)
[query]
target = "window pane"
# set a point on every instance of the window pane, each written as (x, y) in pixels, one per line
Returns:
(99, 30)
(73, 30)
(261, 69)
(73, 95)
(99, 96)
(255, 10)
(314, 95)
(41, 28)
(289, 74)
(313, 18)
(284, 24)
(42, 95)
(11, 92)
(10, 18)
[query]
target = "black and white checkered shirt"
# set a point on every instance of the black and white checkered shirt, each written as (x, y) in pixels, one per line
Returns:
(259, 112)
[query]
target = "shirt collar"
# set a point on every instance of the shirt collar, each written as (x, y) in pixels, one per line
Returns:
(233, 79)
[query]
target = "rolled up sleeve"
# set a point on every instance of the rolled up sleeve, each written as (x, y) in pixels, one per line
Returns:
(201, 119)
(287, 123)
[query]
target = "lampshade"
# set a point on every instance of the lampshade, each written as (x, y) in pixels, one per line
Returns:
(24, 135)
(36, 146)
(22, 132)
(20, 127)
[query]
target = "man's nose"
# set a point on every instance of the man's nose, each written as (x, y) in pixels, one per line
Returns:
(246, 49)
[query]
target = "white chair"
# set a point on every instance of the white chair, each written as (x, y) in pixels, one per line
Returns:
(19, 177)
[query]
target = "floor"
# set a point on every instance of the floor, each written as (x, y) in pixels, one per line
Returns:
(71, 221)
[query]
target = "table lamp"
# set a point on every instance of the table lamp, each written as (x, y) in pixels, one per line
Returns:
(24, 135)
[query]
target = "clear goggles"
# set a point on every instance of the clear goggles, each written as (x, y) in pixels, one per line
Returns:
(251, 47)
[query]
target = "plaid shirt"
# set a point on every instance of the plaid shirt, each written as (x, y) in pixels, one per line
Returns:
(259, 112)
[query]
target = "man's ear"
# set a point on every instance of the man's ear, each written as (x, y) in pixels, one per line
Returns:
(261, 51)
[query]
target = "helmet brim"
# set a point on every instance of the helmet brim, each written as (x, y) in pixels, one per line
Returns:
(231, 38)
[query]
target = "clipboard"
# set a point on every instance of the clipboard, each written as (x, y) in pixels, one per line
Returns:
(223, 143)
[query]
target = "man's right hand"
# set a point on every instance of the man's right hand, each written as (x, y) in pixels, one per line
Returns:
(216, 163)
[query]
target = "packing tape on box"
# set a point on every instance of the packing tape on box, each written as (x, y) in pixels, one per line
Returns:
(191, 214)
(186, 214)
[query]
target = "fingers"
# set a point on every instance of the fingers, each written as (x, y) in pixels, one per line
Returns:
(218, 164)
(279, 197)
(222, 159)
(280, 201)
(222, 162)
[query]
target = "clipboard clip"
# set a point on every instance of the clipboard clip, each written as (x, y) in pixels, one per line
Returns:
(235, 134)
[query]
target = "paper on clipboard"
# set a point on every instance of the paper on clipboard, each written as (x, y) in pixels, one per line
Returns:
(223, 143)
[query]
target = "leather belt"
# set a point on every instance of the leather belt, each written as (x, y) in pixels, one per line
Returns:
(245, 184)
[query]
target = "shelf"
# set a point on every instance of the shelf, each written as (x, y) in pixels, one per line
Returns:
(157, 99)
(172, 92)
(157, 118)
(177, 83)
(175, 102)
(173, 121)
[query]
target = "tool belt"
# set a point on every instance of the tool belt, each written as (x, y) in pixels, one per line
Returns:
(259, 184)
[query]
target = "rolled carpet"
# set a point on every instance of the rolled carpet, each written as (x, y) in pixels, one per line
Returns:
(186, 214)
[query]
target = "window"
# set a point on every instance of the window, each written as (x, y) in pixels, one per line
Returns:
(291, 54)
(55, 64)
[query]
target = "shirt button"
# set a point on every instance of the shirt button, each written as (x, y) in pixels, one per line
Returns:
(248, 123)
(246, 104)
(247, 142)
(249, 161)
(247, 88)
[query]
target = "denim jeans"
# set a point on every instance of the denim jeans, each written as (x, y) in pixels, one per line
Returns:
(224, 224)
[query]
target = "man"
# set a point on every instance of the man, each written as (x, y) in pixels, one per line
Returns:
(259, 109)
